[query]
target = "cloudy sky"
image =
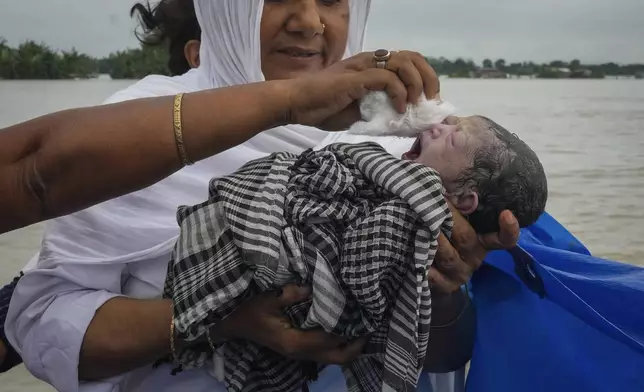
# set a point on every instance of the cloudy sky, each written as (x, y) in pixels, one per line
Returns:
(540, 30)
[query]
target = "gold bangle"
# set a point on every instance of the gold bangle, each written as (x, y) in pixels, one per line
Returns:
(173, 350)
(178, 131)
(210, 343)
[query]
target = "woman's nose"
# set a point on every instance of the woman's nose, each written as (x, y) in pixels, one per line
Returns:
(305, 18)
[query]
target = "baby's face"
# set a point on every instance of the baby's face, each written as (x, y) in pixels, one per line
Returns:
(448, 147)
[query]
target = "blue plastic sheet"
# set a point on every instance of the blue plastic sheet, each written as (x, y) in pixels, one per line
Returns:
(586, 334)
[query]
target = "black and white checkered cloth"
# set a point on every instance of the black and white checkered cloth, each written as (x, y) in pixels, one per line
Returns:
(358, 225)
(11, 358)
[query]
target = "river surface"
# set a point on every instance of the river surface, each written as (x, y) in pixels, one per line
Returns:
(589, 134)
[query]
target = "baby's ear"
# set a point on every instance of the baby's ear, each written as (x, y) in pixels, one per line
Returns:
(466, 202)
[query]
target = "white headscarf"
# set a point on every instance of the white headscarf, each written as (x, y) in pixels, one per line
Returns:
(142, 225)
(230, 47)
(230, 55)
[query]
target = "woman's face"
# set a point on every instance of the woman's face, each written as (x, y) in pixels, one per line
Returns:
(294, 40)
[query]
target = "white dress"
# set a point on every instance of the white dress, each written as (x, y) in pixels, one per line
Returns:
(117, 248)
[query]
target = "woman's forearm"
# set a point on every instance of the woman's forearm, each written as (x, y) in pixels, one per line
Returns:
(124, 335)
(453, 329)
(66, 161)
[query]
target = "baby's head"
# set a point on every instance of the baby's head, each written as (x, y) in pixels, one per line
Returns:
(485, 169)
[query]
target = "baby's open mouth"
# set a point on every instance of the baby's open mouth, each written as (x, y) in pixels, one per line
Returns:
(415, 150)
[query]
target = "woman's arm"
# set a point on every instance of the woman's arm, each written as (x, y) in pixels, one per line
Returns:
(453, 329)
(66, 161)
(147, 339)
(142, 341)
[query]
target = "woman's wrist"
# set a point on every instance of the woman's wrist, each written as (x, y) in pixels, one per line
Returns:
(217, 334)
(227, 329)
(283, 99)
(453, 331)
(447, 308)
(215, 120)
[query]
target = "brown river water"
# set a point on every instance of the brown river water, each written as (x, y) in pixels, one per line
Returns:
(589, 134)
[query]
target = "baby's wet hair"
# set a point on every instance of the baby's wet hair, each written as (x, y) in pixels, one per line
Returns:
(506, 175)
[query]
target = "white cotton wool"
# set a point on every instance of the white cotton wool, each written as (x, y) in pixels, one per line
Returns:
(381, 119)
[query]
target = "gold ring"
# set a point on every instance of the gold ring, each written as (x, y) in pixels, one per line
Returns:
(381, 56)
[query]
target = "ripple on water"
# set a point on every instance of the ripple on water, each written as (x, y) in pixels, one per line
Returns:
(632, 175)
(563, 151)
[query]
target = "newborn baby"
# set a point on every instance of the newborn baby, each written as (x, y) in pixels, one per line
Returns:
(359, 226)
(485, 169)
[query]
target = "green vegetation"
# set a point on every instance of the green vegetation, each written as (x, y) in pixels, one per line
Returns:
(555, 69)
(38, 61)
(31, 60)
(135, 63)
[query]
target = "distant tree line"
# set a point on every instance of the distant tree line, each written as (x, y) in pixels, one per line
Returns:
(135, 63)
(467, 67)
(32, 60)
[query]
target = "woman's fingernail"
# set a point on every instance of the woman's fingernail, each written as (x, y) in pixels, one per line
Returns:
(509, 219)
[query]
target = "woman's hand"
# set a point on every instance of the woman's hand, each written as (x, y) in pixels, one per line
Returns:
(411, 68)
(261, 320)
(329, 99)
(459, 257)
